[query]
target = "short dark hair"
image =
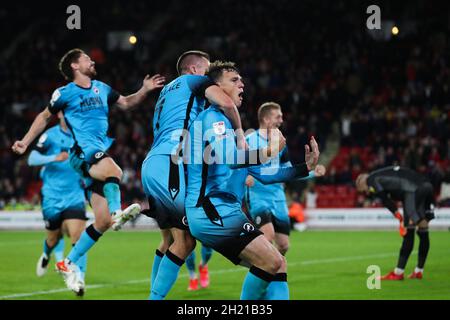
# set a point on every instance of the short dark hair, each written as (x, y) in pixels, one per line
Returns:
(217, 68)
(266, 108)
(181, 62)
(68, 58)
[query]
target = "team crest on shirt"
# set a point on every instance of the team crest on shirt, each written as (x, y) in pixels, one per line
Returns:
(185, 221)
(96, 91)
(219, 127)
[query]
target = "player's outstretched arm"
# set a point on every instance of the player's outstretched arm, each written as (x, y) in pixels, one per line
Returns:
(217, 96)
(247, 158)
(38, 125)
(38, 159)
(319, 171)
(280, 174)
(307, 170)
(285, 174)
(148, 84)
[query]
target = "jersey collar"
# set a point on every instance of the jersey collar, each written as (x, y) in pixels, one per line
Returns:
(90, 87)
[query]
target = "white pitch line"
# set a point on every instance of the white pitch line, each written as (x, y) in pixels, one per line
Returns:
(97, 286)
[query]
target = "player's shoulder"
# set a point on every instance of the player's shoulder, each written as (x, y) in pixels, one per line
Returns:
(252, 136)
(174, 84)
(215, 119)
(191, 77)
(64, 92)
(180, 83)
(47, 136)
(253, 139)
(53, 131)
(193, 81)
(212, 114)
(67, 87)
(380, 170)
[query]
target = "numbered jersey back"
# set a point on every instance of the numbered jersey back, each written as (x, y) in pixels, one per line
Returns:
(178, 105)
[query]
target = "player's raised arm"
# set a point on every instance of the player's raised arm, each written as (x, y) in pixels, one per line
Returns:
(38, 125)
(312, 154)
(148, 84)
(303, 171)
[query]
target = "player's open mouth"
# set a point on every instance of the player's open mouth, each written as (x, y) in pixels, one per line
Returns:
(241, 95)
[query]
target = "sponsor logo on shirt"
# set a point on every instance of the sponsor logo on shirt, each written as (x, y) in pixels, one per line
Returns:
(90, 103)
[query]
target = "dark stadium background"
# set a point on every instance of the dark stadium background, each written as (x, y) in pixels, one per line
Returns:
(369, 103)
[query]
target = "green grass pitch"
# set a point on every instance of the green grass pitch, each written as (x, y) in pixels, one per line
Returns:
(322, 265)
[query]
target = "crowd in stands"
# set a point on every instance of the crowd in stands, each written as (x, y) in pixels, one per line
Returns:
(390, 98)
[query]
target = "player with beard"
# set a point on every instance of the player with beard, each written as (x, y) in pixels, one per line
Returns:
(85, 103)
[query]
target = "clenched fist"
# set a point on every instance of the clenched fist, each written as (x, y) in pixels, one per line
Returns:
(19, 147)
(63, 156)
